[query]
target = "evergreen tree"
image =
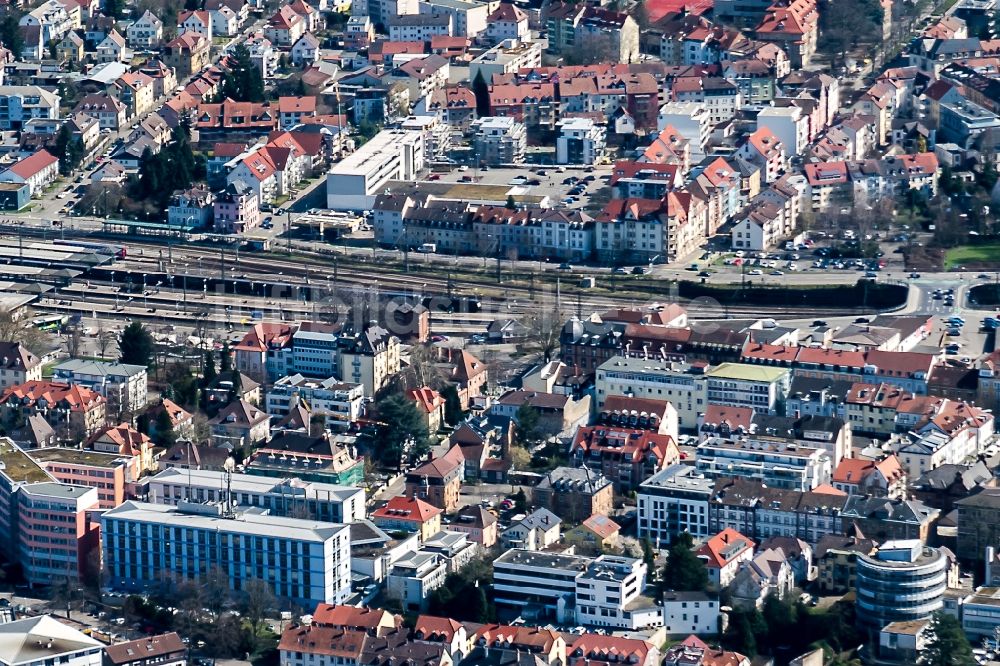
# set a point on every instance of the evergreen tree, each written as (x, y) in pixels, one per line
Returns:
(69, 149)
(10, 32)
(742, 637)
(529, 431)
(114, 8)
(946, 643)
(481, 89)
(520, 501)
(226, 358)
(243, 82)
(684, 571)
(165, 435)
(511, 204)
(648, 556)
(403, 428)
(452, 405)
(136, 345)
(209, 373)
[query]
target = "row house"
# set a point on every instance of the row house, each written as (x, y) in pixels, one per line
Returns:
(755, 79)
(636, 93)
(231, 118)
(954, 433)
(645, 180)
(111, 113)
(645, 229)
(719, 185)
(627, 456)
(880, 101)
(894, 175)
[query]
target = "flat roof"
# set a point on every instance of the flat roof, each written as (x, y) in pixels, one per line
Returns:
(57, 489)
(680, 476)
(519, 557)
(248, 522)
(251, 483)
(747, 372)
(72, 456)
(18, 465)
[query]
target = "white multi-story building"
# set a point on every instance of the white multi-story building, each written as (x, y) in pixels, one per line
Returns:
(384, 11)
(19, 104)
(305, 562)
(672, 501)
(789, 124)
(580, 141)
(124, 386)
(506, 57)
(341, 403)
(686, 613)
(287, 497)
(774, 463)
(692, 121)
(499, 140)
(548, 579)
(413, 577)
(468, 17)
(682, 385)
(762, 388)
(354, 182)
(609, 594)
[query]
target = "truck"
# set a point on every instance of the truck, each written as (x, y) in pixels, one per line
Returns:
(427, 247)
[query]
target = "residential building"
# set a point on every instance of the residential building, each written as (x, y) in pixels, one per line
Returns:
(626, 456)
(609, 593)
(723, 555)
(71, 410)
(324, 458)
(123, 386)
(686, 613)
(413, 577)
(36, 171)
(369, 356)
(112, 48)
(580, 141)
(187, 54)
(506, 22)
(287, 497)
(18, 365)
(236, 210)
(570, 26)
(438, 481)
(978, 526)
(527, 577)
(146, 32)
(160, 650)
(575, 493)
(19, 104)
(302, 561)
(107, 110)
(683, 385)
(408, 514)
(468, 17)
(479, 524)
(341, 404)
(537, 531)
(499, 140)
(240, 424)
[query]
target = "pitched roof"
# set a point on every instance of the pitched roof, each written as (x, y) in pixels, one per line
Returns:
(148, 647)
(34, 164)
(409, 509)
(725, 547)
(601, 525)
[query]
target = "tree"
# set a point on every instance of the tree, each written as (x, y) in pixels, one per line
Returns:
(684, 571)
(520, 458)
(452, 405)
(405, 434)
(520, 501)
(73, 339)
(10, 31)
(114, 8)
(648, 556)
(16, 326)
(741, 635)
(481, 89)
(256, 602)
(226, 358)
(136, 345)
(243, 82)
(511, 204)
(543, 327)
(209, 373)
(165, 435)
(946, 643)
(529, 431)
(104, 338)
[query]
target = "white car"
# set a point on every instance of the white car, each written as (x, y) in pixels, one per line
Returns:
(756, 271)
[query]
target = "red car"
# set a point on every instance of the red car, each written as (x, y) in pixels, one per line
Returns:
(434, 176)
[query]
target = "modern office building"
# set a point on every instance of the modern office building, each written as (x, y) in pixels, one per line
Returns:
(109, 473)
(609, 594)
(775, 464)
(304, 562)
(902, 581)
(354, 182)
(286, 497)
(57, 535)
(674, 501)
(545, 580)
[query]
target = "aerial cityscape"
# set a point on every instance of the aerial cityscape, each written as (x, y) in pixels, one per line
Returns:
(499, 332)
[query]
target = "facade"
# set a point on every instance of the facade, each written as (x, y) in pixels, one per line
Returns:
(686, 613)
(19, 104)
(673, 501)
(580, 141)
(236, 210)
(575, 494)
(18, 365)
(109, 473)
(36, 171)
(56, 535)
(776, 464)
(341, 404)
(302, 561)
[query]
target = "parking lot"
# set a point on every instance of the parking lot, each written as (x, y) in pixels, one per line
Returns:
(554, 182)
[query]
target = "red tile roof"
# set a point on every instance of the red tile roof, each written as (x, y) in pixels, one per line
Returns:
(408, 509)
(34, 164)
(725, 547)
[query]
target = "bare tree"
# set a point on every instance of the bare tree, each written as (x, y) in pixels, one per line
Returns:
(423, 369)
(73, 340)
(15, 325)
(543, 328)
(257, 600)
(104, 338)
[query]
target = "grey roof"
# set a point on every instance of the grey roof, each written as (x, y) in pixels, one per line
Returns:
(56, 489)
(943, 477)
(41, 638)
(254, 523)
(897, 511)
(542, 519)
(575, 479)
(105, 368)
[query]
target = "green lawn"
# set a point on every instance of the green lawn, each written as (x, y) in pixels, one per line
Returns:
(972, 254)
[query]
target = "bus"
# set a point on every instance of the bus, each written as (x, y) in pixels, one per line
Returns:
(50, 322)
